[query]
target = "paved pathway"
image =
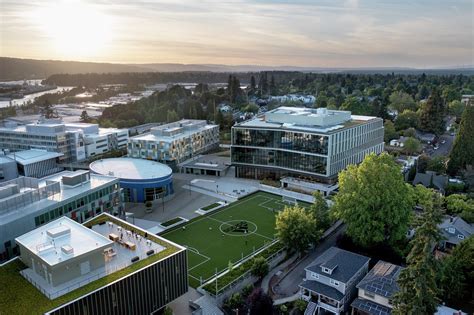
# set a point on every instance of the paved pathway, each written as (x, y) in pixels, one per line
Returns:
(289, 285)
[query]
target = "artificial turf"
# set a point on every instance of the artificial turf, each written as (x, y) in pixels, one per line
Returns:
(212, 243)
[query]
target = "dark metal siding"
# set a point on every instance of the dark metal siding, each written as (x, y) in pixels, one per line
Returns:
(141, 293)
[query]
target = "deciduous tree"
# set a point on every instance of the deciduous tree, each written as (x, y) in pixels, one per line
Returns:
(296, 228)
(375, 207)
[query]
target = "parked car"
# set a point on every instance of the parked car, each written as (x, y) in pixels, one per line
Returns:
(443, 141)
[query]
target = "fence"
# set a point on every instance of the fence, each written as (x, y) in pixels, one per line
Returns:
(72, 287)
(229, 288)
(287, 193)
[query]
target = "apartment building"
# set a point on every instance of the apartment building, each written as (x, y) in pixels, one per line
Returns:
(175, 142)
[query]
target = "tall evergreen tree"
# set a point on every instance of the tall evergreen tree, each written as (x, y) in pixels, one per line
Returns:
(272, 85)
(462, 153)
(47, 110)
(253, 84)
(418, 289)
(432, 114)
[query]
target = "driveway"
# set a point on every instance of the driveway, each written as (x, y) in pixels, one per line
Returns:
(444, 149)
(290, 284)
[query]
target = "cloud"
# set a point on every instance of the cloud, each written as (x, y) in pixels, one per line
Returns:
(268, 32)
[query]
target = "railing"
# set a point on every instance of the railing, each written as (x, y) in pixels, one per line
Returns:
(72, 287)
(245, 275)
(287, 193)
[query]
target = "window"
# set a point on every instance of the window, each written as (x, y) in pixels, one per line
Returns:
(334, 282)
(451, 230)
(314, 275)
(326, 270)
(369, 294)
(460, 236)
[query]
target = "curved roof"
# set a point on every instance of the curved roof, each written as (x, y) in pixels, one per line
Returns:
(130, 168)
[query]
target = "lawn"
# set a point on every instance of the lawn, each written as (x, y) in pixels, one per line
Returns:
(172, 221)
(229, 234)
(215, 204)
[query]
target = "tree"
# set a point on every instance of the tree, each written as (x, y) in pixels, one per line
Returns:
(253, 85)
(296, 228)
(462, 153)
(411, 145)
(235, 301)
(259, 267)
(456, 108)
(437, 164)
(418, 290)
(320, 211)
(457, 272)
(260, 303)
(84, 117)
(47, 110)
(353, 105)
(432, 114)
(389, 131)
(401, 101)
(171, 116)
(375, 208)
(407, 119)
(461, 205)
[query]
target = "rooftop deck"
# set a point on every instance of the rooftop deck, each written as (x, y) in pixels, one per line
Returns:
(32, 301)
(117, 256)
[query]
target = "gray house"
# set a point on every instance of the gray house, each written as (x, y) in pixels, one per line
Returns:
(454, 230)
(376, 290)
(331, 280)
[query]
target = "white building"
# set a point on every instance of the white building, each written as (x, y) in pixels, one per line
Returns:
(306, 143)
(100, 140)
(27, 203)
(75, 141)
(304, 99)
(175, 142)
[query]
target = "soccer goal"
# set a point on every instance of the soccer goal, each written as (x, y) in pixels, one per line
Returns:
(289, 200)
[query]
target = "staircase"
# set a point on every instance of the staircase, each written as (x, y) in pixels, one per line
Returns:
(311, 308)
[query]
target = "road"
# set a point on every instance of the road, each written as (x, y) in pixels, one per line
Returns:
(444, 149)
(290, 284)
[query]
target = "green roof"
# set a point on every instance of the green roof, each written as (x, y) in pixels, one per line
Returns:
(18, 296)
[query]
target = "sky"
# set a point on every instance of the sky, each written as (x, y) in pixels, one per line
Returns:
(319, 33)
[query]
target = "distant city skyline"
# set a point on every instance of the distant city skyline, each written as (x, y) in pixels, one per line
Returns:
(325, 33)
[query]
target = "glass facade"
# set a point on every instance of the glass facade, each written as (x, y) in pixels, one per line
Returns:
(280, 158)
(278, 139)
(279, 149)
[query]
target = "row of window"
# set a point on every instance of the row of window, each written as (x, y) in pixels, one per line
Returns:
(290, 160)
(298, 141)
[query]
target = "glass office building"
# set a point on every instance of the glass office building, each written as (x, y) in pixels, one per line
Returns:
(303, 142)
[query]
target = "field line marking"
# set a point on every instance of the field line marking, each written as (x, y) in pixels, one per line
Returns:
(223, 210)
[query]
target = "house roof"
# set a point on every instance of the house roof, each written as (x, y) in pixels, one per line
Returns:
(345, 264)
(461, 227)
(381, 279)
(439, 181)
(322, 288)
(370, 307)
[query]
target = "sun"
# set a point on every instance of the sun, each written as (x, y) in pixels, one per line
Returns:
(75, 29)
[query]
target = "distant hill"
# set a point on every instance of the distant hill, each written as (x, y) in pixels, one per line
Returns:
(18, 69)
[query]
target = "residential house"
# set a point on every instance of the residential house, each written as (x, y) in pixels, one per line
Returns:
(431, 180)
(331, 279)
(376, 290)
(454, 230)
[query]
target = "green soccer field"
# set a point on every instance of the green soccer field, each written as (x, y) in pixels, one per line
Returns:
(228, 234)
